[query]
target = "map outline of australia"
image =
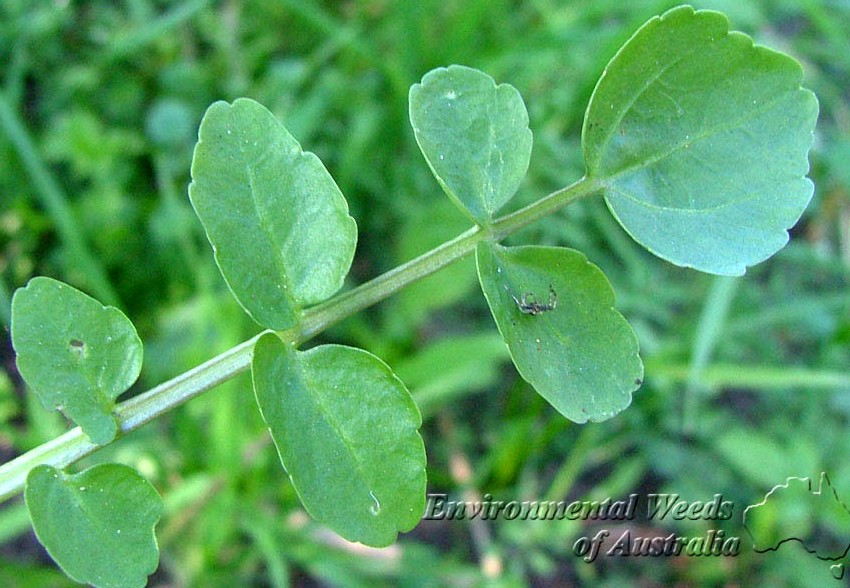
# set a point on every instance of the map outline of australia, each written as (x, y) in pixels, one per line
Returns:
(803, 489)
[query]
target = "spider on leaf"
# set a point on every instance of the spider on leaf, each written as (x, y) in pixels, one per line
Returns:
(527, 303)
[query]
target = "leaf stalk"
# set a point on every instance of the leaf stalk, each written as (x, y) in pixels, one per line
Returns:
(144, 408)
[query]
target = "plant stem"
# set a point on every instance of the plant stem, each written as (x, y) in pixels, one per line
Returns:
(5, 306)
(720, 376)
(142, 409)
(709, 330)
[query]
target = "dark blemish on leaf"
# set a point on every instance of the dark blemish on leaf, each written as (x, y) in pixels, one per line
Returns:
(77, 346)
(638, 381)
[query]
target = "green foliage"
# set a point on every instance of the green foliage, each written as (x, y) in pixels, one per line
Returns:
(101, 107)
(98, 524)
(346, 431)
(76, 354)
(555, 312)
(682, 128)
(474, 135)
(277, 222)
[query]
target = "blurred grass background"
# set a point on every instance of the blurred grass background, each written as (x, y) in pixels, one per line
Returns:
(747, 379)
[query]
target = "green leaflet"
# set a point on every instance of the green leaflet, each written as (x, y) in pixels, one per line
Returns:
(474, 135)
(76, 354)
(277, 222)
(701, 139)
(577, 351)
(346, 431)
(98, 524)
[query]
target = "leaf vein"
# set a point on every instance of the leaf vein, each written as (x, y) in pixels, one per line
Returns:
(705, 134)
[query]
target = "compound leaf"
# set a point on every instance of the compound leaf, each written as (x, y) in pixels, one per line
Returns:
(98, 525)
(346, 431)
(277, 221)
(555, 310)
(474, 135)
(701, 139)
(76, 354)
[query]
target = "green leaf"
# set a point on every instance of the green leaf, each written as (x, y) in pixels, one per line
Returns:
(277, 222)
(98, 525)
(701, 139)
(346, 431)
(474, 135)
(555, 310)
(76, 354)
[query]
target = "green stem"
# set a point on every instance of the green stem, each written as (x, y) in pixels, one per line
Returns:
(752, 377)
(707, 336)
(142, 409)
(573, 465)
(5, 306)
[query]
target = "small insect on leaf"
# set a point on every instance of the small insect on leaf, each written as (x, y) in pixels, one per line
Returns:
(583, 359)
(527, 303)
